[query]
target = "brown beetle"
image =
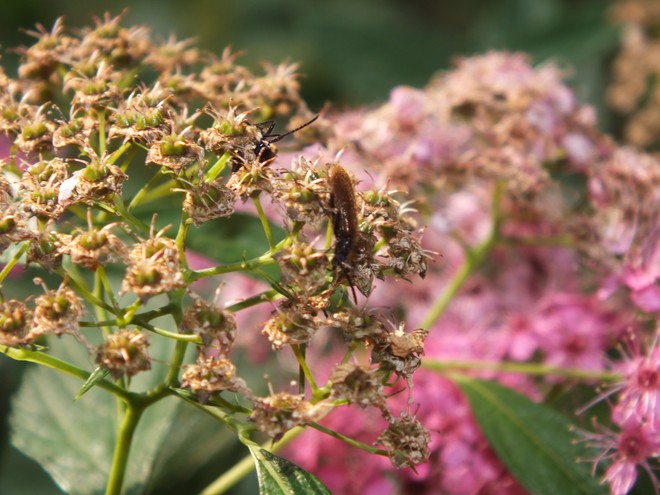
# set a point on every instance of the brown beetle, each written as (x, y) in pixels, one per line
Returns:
(344, 213)
(353, 248)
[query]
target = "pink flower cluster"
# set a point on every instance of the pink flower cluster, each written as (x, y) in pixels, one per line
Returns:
(573, 253)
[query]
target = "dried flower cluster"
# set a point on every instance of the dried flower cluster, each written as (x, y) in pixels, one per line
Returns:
(77, 119)
(634, 91)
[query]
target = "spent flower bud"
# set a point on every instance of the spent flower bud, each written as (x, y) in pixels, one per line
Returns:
(124, 353)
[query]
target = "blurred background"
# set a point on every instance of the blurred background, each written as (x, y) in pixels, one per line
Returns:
(351, 53)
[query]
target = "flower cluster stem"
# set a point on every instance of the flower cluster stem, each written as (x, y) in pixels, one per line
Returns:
(473, 258)
(122, 449)
(534, 369)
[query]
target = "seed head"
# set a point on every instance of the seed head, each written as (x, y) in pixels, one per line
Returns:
(208, 200)
(124, 353)
(175, 151)
(303, 267)
(15, 321)
(399, 351)
(56, 311)
(153, 268)
(406, 442)
(278, 413)
(215, 326)
(95, 247)
(357, 385)
(211, 375)
(292, 323)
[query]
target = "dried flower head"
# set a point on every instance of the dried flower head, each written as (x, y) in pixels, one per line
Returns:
(251, 178)
(215, 326)
(233, 134)
(46, 249)
(146, 117)
(124, 353)
(119, 46)
(15, 320)
(358, 324)
(96, 91)
(95, 247)
(98, 181)
(56, 311)
(406, 442)
(302, 192)
(276, 414)
(175, 151)
(36, 132)
(154, 267)
(293, 323)
(304, 268)
(13, 228)
(40, 188)
(208, 200)
(399, 351)
(211, 375)
(357, 385)
(172, 55)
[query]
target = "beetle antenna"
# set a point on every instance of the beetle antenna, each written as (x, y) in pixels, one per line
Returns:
(276, 137)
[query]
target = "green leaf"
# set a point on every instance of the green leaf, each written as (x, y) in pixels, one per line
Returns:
(74, 441)
(232, 239)
(532, 440)
(277, 476)
(97, 375)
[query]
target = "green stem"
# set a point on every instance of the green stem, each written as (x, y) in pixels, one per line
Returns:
(142, 193)
(122, 449)
(300, 356)
(121, 210)
(13, 261)
(473, 258)
(348, 440)
(172, 378)
(22, 354)
(264, 221)
(120, 151)
(448, 293)
(240, 266)
(100, 116)
(99, 290)
(266, 296)
(534, 369)
(181, 241)
(217, 167)
(179, 337)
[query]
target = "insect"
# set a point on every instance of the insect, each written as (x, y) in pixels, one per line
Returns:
(344, 213)
(265, 150)
(352, 248)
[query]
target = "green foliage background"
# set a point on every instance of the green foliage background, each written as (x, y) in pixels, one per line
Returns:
(352, 52)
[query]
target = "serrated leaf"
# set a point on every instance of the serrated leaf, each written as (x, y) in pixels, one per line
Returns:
(97, 375)
(278, 476)
(532, 440)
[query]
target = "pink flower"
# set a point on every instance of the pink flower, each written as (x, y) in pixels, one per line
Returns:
(641, 273)
(633, 447)
(639, 392)
(408, 105)
(573, 331)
